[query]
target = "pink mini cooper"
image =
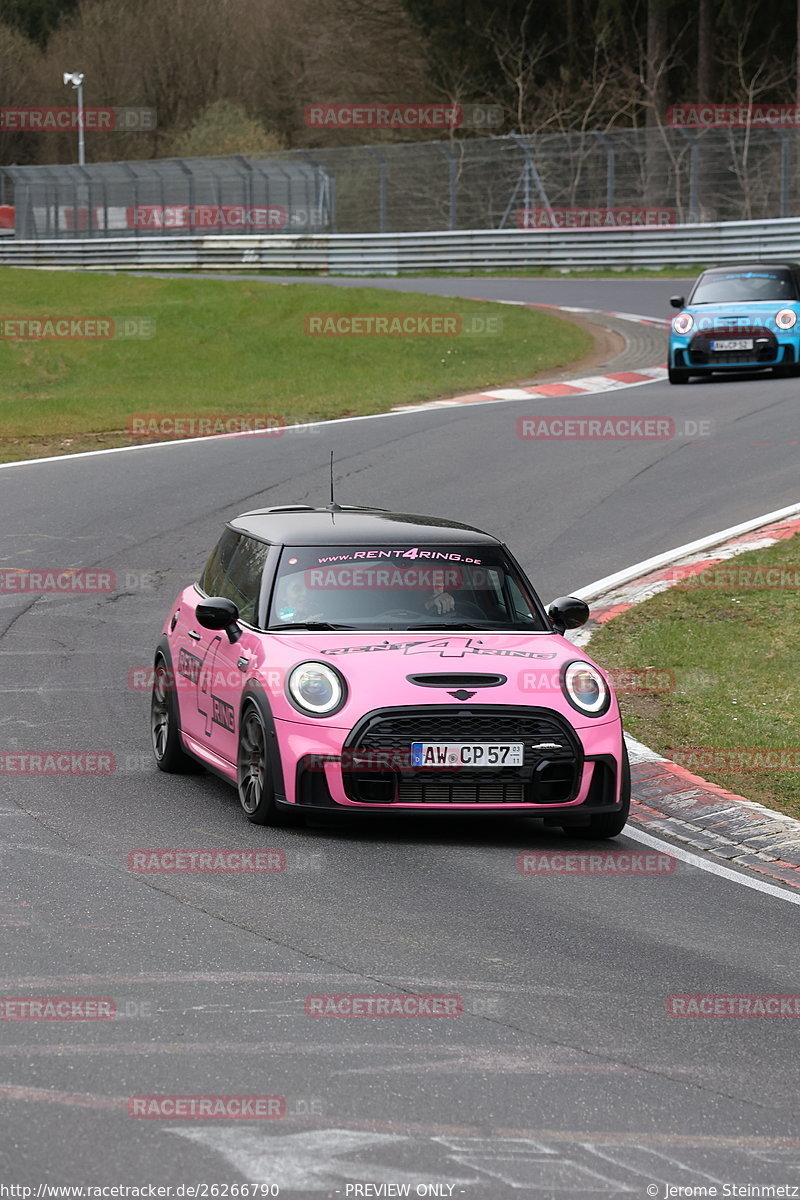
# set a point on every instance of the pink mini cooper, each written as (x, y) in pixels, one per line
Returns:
(351, 659)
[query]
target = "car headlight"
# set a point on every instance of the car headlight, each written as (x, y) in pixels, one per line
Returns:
(683, 322)
(786, 318)
(585, 688)
(316, 689)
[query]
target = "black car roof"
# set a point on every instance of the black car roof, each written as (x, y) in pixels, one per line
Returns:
(302, 526)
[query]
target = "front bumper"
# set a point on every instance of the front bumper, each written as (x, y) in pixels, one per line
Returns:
(370, 768)
(770, 349)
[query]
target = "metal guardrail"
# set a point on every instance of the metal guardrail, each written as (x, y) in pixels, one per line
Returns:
(467, 250)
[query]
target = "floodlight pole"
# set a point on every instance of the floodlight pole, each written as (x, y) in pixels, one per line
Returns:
(76, 79)
(81, 145)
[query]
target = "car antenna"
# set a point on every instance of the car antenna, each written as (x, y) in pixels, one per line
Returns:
(333, 506)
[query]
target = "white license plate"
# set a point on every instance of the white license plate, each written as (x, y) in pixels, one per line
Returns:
(733, 344)
(467, 754)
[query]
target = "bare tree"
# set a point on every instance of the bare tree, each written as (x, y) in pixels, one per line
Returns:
(706, 81)
(656, 70)
(19, 59)
(772, 74)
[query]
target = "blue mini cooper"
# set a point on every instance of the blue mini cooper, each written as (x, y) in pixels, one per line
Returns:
(743, 317)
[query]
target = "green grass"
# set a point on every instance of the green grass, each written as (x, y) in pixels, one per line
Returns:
(735, 655)
(240, 347)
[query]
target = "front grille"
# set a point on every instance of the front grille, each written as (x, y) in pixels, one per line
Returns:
(393, 728)
(452, 792)
(547, 776)
(765, 347)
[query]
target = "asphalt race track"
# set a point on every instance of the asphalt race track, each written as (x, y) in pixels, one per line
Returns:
(564, 1076)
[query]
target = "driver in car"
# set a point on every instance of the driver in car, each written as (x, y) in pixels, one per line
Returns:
(295, 602)
(441, 601)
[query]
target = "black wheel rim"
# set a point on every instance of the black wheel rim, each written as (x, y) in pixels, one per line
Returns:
(159, 711)
(252, 763)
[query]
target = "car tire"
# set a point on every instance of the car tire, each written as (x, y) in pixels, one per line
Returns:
(607, 825)
(253, 775)
(677, 375)
(165, 734)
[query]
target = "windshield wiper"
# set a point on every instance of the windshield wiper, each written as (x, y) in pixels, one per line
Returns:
(446, 625)
(307, 625)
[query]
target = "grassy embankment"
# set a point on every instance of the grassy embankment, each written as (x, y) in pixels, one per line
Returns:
(731, 641)
(229, 347)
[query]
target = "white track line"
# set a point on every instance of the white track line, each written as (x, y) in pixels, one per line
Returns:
(694, 860)
(663, 560)
(215, 437)
(397, 412)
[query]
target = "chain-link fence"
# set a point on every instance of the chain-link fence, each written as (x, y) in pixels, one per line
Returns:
(175, 196)
(617, 178)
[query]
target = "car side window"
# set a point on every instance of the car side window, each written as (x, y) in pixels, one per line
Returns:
(234, 571)
(211, 581)
(520, 606)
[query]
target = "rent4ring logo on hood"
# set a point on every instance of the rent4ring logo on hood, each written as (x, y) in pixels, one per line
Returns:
(452, 647)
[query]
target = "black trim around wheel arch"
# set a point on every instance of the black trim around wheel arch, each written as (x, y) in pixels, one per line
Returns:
(163, 648)
(254, 692)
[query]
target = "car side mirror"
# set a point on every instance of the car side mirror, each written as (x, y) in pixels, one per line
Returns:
(568, 612)
(219, 613)
(677, 301)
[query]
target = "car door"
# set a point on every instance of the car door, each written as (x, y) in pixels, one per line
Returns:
(217, 668)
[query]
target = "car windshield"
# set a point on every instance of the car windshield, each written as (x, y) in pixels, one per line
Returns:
(402, 588)
(732, 287)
